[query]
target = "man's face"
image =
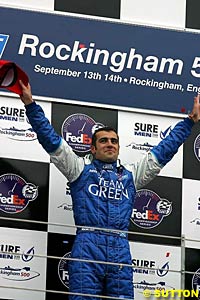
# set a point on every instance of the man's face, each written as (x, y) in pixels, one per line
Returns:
(107, 146)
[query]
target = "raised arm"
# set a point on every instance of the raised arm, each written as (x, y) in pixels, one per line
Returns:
(46, 134)
(60, 152)
(166, 149)
(151, 164)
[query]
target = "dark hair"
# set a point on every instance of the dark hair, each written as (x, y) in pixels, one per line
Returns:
(106, 128)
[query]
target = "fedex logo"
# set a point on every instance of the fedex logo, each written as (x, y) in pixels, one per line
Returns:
(14, 199)
(83, 138)
(3, 41)
(148, 215)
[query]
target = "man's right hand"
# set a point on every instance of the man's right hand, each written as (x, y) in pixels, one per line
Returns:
(195, 113)
(26, 95)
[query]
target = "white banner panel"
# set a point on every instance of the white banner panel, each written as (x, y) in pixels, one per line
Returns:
(60, 203)
(148, 257)
(17, 137)
(163, 13)
(20, 267)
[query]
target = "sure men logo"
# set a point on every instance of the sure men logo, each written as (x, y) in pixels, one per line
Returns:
(146, 129)
(14, 124)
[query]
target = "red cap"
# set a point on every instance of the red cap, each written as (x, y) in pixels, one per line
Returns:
(10, 74)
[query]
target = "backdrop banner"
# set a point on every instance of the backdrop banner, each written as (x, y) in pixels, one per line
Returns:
(103, 62)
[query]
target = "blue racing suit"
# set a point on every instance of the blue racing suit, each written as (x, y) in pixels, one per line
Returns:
(103, 197)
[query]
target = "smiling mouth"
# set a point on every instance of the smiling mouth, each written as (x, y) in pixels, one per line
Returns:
(110, 151)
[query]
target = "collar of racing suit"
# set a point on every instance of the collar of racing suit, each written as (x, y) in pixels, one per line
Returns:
(113, 166)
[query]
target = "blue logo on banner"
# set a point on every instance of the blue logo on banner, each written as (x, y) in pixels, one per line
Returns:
(3, 41)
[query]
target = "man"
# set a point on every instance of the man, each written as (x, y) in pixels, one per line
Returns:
(103, 193)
